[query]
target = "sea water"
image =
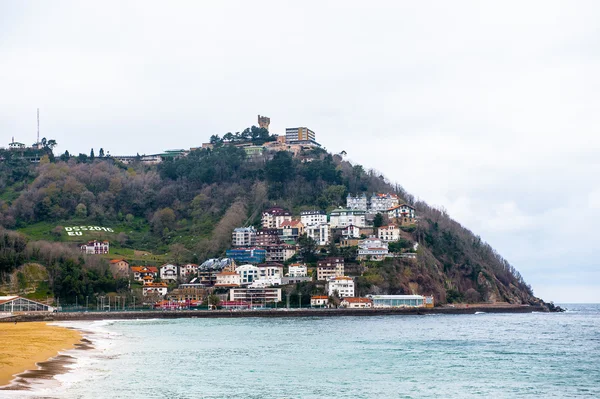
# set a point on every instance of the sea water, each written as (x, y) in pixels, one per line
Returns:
(539, 355)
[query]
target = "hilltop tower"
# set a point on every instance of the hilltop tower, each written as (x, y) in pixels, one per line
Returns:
(264, 121)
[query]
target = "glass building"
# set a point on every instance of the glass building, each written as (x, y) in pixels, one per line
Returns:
(397, 301)
(18, 304)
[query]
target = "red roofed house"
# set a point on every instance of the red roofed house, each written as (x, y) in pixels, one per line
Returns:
(403, 214)
(389, 233)
(154, 288)
(372, 248)
(319, 300)
(273, 217)
(356, 303)
(144, 274)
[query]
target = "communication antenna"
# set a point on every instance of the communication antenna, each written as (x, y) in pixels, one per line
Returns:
(38, 127)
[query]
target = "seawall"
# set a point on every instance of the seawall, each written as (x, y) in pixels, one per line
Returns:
(177, 314)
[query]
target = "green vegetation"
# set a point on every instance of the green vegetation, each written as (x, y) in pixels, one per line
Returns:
(184, 210)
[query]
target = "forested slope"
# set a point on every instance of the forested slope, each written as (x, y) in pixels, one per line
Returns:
(185, 210)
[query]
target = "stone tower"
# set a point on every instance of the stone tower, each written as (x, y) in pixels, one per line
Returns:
(264, 121)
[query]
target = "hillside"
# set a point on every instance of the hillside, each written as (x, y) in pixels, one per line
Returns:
(185, 209)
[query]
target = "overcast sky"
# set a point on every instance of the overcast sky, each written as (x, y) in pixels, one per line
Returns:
(489, 110)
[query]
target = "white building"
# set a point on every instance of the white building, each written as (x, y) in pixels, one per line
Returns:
(382, 202)
(228, 279)
(319, 300)
(255, 296)
(313, 218)
(356, 303)
(389, 233)
(297, 270)
(244, 237)
(351, 231)
(405, 213)
(169, 272)
(343, 285)
(341, 217)
(401, 301)
(357, 203)
(14, 303)
(154, 289)
(189, 270)
(273, 217)
(95, 247)
(321, 233)
(372, 248)
(248, 274)
(271, 273)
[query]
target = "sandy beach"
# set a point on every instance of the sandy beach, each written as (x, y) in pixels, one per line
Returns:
(23, 345)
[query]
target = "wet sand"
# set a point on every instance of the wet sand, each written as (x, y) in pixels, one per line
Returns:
(25, 346)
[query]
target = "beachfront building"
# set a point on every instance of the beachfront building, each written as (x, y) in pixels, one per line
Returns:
(344, 286)
(143, 273)
(247, 255)
(95, 247)
(256, 296)
(401, 301)
(356, 303)
(244, 237)
(297, 270)
(330, 267)
(388, 233)
(154, 289)
(319, 301)
(228, 279)
(248, 273)
(169, 272)
(341, 217)
(15, 303)
(313, 218)
(273, 217)
(372, 248)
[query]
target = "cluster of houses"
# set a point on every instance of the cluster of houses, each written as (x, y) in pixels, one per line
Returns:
(276, 240)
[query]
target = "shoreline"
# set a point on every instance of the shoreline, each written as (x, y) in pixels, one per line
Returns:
(33, 350)
(274, 313)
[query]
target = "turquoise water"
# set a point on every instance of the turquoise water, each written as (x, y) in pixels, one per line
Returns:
(447, 356)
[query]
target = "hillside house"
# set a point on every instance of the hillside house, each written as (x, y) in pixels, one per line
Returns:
(351, 231)
(402, 214)
(344, 286)
(188, 270)
(279, 253)
(154, 289)
(389, 233)
(244, 237)
(290, 230)
(95, 247)
(380, 203)
(119, 267)
(372, 248)
(356, 303)
(169, 272)
(266, 237)
(272, 272)
(340, 218)
(357, 203)
(321, 233)
(297, 270)
(273, 217)
(142, 272)
(313, 218)
(329, 268)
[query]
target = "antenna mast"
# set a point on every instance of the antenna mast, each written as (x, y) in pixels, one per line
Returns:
(38, 127)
